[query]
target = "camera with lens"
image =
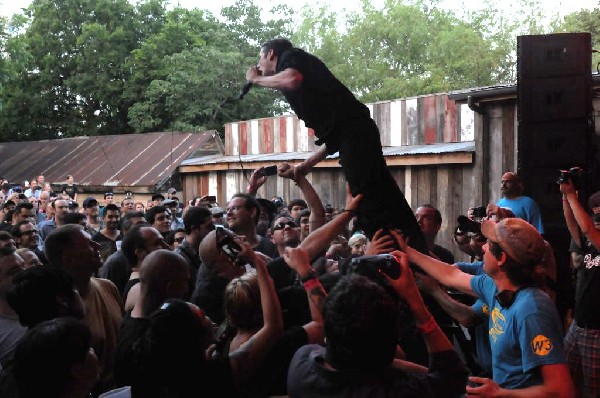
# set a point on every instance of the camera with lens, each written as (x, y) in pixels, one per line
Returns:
(479, 212)
(370, 266)
(465, 224)
(574, 175)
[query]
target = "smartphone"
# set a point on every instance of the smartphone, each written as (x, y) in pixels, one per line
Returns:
(211, 199)
(270, 171)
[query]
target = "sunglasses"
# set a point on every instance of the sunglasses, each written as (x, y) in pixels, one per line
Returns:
(282, 225)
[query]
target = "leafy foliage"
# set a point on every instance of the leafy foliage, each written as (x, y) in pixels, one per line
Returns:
(87, 67)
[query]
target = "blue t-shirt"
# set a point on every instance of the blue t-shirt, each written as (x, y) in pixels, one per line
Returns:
(522, 337)
(474, 268)
(524, 207)
(481, 309)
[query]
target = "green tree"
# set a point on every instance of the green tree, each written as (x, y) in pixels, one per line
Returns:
(196, 86)
(73, 82)
(584, 21)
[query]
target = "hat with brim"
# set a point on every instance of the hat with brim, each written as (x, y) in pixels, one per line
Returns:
(517, 238)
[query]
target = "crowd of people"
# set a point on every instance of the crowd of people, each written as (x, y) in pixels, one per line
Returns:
(264, 299)
(259, 298)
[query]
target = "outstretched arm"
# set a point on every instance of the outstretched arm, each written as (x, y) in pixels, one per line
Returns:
(298, 260)
(444, 273)
(319, 240)
(257, 180)
(246, 359)
(462, 313)
(317, 211)
(581, 216)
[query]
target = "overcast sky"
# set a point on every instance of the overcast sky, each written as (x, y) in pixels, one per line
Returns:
(9, 7)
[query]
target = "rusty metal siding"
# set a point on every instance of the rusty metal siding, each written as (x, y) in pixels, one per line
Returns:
(133, 160)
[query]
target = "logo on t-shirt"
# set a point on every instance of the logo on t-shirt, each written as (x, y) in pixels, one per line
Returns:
(498, 323)
(541, 345)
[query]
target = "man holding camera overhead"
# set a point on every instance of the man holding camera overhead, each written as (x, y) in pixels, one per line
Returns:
(523, 206)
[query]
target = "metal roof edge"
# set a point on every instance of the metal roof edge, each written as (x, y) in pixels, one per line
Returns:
(405, 150)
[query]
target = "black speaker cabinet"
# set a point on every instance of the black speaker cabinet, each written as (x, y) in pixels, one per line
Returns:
(543, 56)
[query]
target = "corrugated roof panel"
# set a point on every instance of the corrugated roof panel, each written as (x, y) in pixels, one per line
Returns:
(115, 160)
(433, 149)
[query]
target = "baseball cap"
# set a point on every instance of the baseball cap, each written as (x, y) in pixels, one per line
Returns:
(168, 202)
(108, 194)
(217, 211)
(158, 196)
(172, 190)
(357, 238)
(519, 239)
(89, 202)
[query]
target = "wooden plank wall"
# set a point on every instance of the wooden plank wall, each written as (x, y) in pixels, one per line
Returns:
(420, 120)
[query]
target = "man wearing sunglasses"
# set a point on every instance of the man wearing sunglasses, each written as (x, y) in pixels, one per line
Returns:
(285, 233)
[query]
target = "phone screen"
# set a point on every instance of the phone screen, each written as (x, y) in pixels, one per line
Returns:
(269, 171)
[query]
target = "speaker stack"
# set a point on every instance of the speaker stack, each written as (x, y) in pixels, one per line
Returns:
(556, 132)
(556, 128)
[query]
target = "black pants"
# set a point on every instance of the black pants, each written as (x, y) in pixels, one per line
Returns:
(383, 204)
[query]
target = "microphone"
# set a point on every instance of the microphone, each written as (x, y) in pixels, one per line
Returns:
(244, 90)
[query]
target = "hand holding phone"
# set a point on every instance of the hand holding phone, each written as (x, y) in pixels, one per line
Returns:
(269, 171)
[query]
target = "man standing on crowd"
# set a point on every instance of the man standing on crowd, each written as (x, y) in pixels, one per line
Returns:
(522, 206)
(342, 124)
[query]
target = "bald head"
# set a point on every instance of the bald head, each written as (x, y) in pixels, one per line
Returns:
(208, 251)
(164, 274)
(511, 187)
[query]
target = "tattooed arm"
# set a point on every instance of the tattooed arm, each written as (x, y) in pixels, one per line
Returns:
(297, 259)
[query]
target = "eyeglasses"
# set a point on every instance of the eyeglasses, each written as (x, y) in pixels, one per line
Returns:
(282, 225)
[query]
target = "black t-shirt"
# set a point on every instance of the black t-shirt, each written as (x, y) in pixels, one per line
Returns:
(70, 190)
(126, 369)
(322, 101)
(443, 254)
(587, 292)
(271, 378)
(107, 245)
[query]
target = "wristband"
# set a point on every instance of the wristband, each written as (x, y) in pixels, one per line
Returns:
(428, 326)
(311, 275)
(311, 283)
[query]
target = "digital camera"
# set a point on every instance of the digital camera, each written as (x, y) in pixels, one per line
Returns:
(574, 174)
(370, 266)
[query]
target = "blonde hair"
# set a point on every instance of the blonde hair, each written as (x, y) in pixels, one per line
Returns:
(242, 302)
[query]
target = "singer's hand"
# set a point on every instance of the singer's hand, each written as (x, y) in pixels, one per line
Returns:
(252, 74)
